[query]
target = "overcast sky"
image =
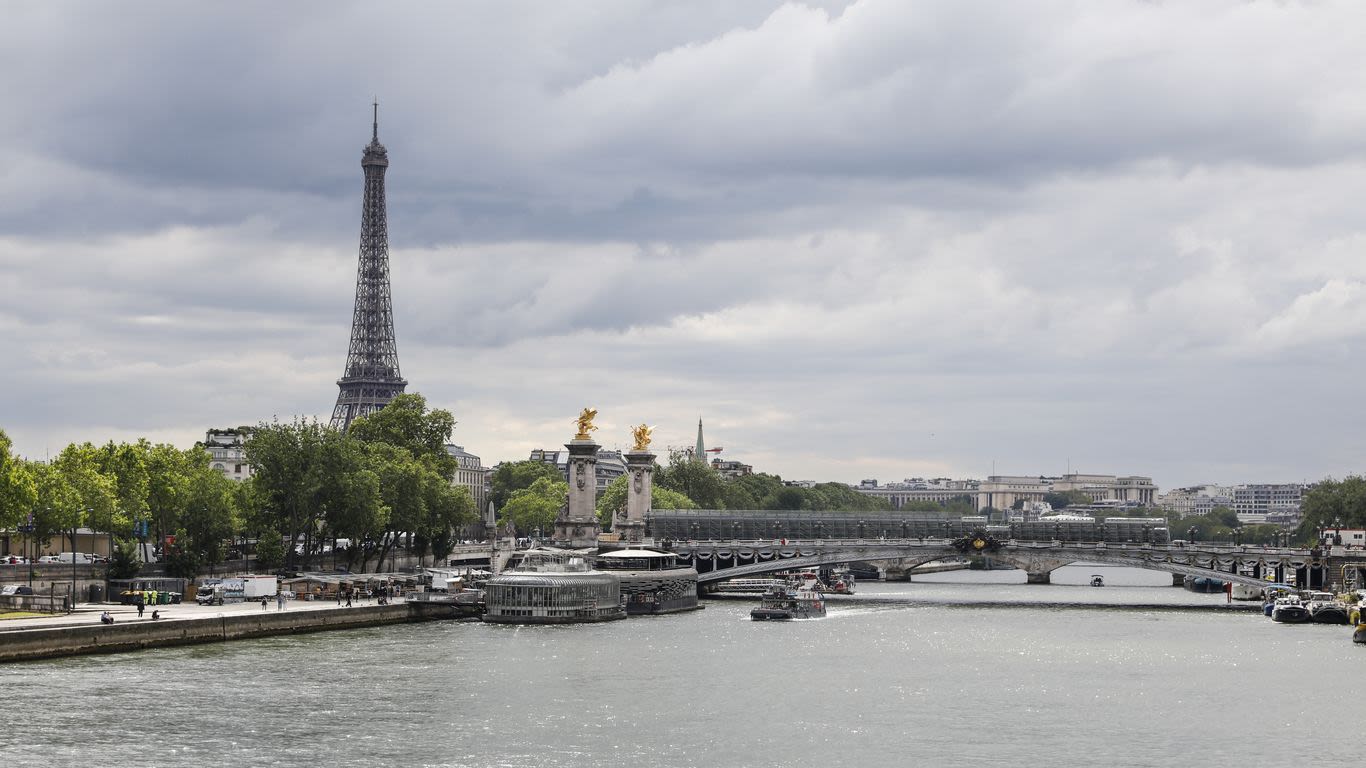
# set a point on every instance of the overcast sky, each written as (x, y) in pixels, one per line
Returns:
(858, 239)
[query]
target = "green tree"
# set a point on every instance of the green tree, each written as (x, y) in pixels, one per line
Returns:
(126, 465)
(694, 479)
(294, 475)
(448, 507)
(1064, 499)
(210, 518)
(1333, 503)
(407, 423)
(535, 507)
(512, 476)
(1225, 517)
(18, 491)
(923, 505)
(168, 469)
(838, 496)
(124, 562)
(787, 497)
(97, 502)
(961, 506)
(749, 491)
(613, 500)
(57, 505)
(270, 550)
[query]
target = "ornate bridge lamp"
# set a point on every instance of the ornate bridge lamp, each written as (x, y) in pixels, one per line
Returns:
(905, 530)
(735, 529)
(820, 530)
(860, 529)
(778, 530)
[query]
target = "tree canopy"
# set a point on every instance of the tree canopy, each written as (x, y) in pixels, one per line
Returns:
(511, 476)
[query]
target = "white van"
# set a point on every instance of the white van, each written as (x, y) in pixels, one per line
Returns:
(80, 558)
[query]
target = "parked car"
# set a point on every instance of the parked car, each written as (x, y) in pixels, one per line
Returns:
(12, 560)
(49, 559)
(16, 589)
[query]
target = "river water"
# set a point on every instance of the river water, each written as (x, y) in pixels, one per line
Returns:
(963, 668)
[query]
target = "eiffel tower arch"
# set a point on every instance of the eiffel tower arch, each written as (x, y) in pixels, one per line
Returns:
(371, 378)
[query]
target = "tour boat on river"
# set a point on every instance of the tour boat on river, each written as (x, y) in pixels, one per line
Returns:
(784, 603)
(553, 586)
(652, 582)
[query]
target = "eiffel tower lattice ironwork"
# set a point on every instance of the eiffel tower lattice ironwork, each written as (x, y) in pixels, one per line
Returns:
(371, 378)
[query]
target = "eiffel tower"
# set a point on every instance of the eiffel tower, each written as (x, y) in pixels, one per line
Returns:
(371, 378)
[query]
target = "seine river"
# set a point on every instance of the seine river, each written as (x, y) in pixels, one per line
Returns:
(938, 672)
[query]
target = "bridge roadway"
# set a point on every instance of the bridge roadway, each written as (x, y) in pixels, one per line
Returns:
(1240, 564)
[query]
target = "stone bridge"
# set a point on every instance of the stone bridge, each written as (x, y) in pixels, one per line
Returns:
(717, 560)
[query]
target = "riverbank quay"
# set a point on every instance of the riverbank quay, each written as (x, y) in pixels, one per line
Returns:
(81, 632)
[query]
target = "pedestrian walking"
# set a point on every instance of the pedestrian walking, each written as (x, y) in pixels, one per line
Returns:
(279, 601)
(348, 598)
(263, 602)
(141, 605)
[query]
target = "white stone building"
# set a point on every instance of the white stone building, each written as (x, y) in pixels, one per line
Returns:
(1002, 491)
(226, 453)
(610, 465)
(471, 473)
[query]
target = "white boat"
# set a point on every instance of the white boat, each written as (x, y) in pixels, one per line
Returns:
(752, 586)
(553, 586)
(1289, 610)
(1325, 608)
(786, 603)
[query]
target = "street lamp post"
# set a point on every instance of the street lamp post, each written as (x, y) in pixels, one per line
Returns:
(73, 567)
(27, 528)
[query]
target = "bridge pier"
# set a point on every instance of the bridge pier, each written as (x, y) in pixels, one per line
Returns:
(1042, 577)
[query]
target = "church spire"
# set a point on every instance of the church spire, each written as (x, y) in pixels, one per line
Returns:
(700, 453)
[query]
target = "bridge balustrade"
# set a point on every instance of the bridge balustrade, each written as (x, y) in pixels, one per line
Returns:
(758, 525)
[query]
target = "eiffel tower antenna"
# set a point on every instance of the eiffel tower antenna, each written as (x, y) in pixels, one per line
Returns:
(371, 378)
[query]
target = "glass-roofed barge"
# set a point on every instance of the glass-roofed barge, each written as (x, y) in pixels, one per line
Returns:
(553, 587)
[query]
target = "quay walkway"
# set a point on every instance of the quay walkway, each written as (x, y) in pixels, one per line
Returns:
(81, 632)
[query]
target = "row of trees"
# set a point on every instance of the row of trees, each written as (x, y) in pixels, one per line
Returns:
(120, 488)
(388, 475)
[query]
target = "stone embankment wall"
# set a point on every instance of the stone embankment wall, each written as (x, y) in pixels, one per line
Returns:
(113, 638)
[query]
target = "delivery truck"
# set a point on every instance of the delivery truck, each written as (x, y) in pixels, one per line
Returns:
(236, 590)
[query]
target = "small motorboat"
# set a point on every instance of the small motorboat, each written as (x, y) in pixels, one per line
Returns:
(786, 603)
(1324, 608)
(1097, 580)
(1289, 610)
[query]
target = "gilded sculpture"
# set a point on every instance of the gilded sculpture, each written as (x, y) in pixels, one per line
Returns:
(585, 422)
(642, 436)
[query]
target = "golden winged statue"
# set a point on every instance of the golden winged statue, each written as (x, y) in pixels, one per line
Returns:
(585, 422)
(642, 437)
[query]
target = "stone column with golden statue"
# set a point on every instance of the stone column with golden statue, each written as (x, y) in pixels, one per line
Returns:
(577, 525)
(640, 470)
